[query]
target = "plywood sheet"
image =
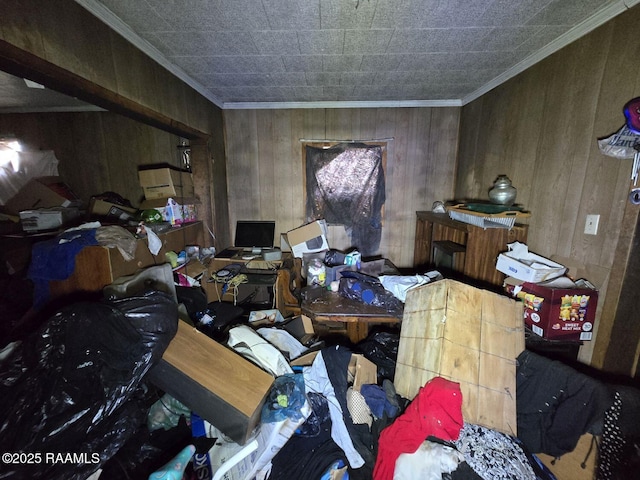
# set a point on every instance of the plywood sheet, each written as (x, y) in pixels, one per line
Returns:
(467, 335)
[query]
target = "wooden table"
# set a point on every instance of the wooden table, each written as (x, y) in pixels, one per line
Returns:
(333, 310)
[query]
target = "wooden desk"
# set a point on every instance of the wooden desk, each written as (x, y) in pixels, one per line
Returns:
(345, 316)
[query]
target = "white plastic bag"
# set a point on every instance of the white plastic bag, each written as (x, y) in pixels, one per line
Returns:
(620, 144)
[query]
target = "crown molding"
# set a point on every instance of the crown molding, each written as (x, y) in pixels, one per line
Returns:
(337, 104)
(112, 21)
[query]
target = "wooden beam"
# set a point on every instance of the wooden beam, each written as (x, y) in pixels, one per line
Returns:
(24, 64)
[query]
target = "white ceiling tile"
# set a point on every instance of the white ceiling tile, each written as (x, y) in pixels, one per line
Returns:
(303, 63)
(508, 38)
(278, 42)
(293, 14)
(366, 41)
(186, 14)
(505, 13)
(347, 14)
(341, 63)
(345, 50)
(357, 78)
(567, 12)
(243, 15)
(321, 42)
(323, 78)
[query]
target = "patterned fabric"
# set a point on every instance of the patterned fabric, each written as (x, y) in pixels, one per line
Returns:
(612, 441)
(358, 408)
(493, 455)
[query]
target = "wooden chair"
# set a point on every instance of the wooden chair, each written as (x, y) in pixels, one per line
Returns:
(288, 285)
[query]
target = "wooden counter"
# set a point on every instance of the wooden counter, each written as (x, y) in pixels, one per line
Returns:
(477, 247)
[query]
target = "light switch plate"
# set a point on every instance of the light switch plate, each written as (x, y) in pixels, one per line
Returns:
(591, 225)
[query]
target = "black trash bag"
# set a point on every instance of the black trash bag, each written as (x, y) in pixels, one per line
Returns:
(218, 318)
(368, 289)
(194, 299)
(334, 258)
(65, 391)
(382, 349)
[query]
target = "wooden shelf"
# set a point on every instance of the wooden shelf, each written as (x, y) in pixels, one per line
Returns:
(479, 247)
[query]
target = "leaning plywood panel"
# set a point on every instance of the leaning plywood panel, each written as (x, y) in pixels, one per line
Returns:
(467, 335)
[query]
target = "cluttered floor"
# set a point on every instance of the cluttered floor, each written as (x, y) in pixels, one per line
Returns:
(82, 397)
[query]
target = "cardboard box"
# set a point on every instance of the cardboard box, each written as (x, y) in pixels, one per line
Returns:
(172, 211)
(519, 263)
(217, 383)
(166, 182)
(363, 371)
(309, 238)
(301, 327)
(559, 309)
(108, 209)
(47, 218)
(467, 335)
(42, 192)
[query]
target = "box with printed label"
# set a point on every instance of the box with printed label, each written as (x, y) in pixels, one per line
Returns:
(166, 182)
(105, 208)
(47, 218)
(524, 265)
(558, 310)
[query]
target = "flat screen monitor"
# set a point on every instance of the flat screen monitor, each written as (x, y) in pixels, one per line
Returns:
(254, 234)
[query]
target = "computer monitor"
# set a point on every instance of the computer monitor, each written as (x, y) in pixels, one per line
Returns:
(252, 234)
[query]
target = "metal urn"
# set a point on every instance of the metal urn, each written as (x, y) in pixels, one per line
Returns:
(503, 192)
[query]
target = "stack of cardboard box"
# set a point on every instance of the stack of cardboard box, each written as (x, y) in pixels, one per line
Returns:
(44, 203)
(170, 191)
(556, 306)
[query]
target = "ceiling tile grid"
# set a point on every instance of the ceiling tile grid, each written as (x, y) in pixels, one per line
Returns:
(263, 53)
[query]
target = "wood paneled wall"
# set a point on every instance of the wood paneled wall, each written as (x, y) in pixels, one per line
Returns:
(64, 47)
(541, 129)
(63, 34)
(97, 151)
(265, 171)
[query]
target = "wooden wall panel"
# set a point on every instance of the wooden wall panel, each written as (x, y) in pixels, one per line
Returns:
(265, 171)
(541, 129)
(97, 151)
(64, 47)
(66, 35)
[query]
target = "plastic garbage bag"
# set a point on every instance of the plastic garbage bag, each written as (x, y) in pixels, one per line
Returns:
(65, 392)
(399, 285)
(382, 349)
(369, 290)
(285, 400)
